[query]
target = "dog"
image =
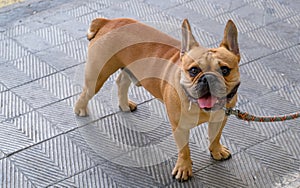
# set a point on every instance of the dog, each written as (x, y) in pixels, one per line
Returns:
(194, 83)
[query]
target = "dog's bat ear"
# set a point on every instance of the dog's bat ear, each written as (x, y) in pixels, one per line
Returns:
(188, 41)
(230, 40)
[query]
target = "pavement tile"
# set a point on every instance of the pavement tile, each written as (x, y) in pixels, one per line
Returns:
(54, 35)
(285, 30)
(60, 114)
(243, 170)
(270, 154)
(86, 19)
(294, 4)
(16, 30)
(2, 155)
(75, 49)
(35, 94)
(251, 89)
(25, 131)
(228, 5)
(58, 59)
(9, 45)
(204, 23)
(270, 79)
(163, 5)
(290, 93)
(33, 67)
(270, 39)
(275, 8)
(14, 139)
(75, 28)
(28, 41)
(103, 104)
(94, 177)
(252, 50)
(293, 20)
(163, 22)
(259, 13)
(12, 77)
(138, 8)
(285, 64)
(7, 169)
(275, 103)
(117, 11)
(51, 161)
(2, 60)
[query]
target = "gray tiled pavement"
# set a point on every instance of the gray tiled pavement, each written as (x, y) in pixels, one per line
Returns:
(42, 56)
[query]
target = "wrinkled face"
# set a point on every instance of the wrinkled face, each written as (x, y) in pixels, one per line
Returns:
(210, 77)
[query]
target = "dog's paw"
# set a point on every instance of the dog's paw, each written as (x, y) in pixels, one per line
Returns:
(129, 108)
(220, 153)
(80, 111)
(132, 106)
(182, 170)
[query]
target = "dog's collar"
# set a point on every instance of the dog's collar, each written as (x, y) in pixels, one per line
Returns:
(230, 96)
(233, 92)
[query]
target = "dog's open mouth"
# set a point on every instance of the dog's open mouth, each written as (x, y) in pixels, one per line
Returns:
(209, 102)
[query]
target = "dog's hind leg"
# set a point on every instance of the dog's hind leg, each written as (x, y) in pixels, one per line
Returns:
(94, 80)
(81, 104)
(123, 81)
(89, 90)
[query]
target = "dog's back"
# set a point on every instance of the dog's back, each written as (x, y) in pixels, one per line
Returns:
(101, 26)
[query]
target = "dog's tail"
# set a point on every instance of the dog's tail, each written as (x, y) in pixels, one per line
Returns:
(95, 27)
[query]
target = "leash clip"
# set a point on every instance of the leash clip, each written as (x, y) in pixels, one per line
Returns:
(231, 111)
(228, 111)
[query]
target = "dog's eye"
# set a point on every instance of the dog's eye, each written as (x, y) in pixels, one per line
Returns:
(194, 71)
(225, 70)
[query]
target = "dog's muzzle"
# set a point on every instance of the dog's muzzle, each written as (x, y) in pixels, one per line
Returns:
(211, 93)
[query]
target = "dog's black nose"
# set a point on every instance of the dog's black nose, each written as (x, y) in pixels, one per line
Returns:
(209, 84)
(206, 79)
(206, 83)
(203, 80)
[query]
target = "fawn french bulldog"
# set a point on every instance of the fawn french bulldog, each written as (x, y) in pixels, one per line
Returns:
(193, 82)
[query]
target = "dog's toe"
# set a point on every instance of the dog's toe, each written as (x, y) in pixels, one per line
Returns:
(132, 106)
(181, 176)
(220, 153)
(182, 170)
(81, 112)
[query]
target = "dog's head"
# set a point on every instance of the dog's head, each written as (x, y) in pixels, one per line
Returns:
(210, 77)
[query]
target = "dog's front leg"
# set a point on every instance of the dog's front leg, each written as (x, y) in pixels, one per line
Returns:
(217, 150)
(183, 168)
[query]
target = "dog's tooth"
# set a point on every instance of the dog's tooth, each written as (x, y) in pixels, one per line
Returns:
(190, 106)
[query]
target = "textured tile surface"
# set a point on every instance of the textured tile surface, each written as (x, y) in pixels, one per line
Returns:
(42, 56)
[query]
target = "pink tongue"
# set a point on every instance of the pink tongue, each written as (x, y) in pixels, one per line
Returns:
(208, 102)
